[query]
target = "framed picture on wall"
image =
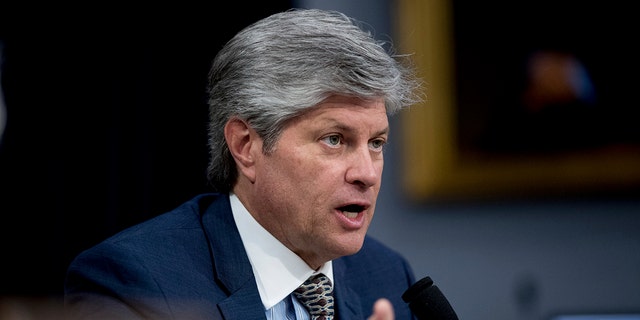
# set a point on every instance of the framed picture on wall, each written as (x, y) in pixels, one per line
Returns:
(532, 98)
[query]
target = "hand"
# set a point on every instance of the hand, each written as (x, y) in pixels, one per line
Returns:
(382, 310)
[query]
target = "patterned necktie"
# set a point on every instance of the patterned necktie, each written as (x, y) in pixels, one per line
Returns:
(316, 294)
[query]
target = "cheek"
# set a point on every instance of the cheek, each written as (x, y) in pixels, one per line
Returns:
(297, 163)
(287, 174)
(308, 183)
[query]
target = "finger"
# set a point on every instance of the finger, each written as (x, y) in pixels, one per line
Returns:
(382, 310)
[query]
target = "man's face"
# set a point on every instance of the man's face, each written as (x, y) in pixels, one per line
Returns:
(318, 189)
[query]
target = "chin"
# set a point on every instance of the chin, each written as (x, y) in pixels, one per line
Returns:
(351, 246)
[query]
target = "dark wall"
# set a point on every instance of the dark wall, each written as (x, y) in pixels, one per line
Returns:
(106, 111)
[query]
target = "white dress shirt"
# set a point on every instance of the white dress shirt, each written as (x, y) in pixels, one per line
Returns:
(278, 270)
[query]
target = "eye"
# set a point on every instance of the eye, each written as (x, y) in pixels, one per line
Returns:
(377, 144)
(333, 140)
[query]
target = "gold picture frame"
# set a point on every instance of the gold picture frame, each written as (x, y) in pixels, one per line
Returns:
(433, 166)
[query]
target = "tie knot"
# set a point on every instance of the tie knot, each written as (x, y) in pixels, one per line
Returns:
(316, 294)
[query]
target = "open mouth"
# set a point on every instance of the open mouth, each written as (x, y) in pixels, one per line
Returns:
(351, 211)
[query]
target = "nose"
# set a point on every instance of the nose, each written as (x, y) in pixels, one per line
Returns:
(365, 167)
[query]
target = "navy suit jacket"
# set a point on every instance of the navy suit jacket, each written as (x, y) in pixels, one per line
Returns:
(190, 263)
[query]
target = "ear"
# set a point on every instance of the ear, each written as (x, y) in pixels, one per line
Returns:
(242, 141)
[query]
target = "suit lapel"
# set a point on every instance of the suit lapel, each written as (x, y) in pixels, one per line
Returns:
(348, 302)
(232, 269)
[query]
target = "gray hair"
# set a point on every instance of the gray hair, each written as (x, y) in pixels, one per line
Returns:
(282, 65)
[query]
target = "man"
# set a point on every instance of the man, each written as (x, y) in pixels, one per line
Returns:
(299, 104)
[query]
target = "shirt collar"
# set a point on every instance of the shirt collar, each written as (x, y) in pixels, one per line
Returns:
(278, 270)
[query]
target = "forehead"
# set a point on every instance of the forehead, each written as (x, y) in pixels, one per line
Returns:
(348, 107)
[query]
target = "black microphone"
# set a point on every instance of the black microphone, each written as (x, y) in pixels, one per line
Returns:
(427, 302)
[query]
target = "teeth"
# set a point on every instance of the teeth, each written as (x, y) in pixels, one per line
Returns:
(349, 214)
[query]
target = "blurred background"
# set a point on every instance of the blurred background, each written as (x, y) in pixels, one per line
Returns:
(104, 125)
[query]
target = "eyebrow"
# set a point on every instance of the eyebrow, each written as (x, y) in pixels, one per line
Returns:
(343, 127)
